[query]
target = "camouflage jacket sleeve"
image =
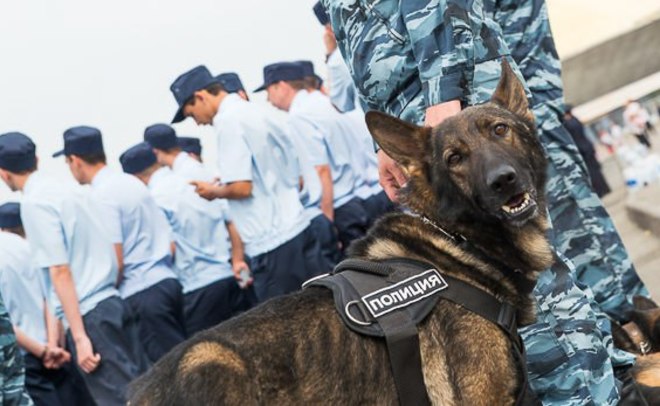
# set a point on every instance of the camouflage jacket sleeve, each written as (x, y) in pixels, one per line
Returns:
(441, 37)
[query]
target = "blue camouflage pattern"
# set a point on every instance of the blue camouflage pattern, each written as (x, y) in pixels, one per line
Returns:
(407, 55)
(12, 372)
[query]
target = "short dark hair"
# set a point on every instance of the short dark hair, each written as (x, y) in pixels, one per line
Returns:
(18, 230)
(312, 82)
(214, 89)
(93, 159)
(298, 84)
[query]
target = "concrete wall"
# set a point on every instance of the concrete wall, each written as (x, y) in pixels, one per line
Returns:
(612, 64)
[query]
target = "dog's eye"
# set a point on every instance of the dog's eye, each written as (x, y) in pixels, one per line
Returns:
(454, 159)
(501, 130)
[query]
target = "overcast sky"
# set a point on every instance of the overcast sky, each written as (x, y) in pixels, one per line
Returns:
(109, 64)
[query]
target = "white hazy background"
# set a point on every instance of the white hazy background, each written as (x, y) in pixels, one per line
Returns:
(109, 64)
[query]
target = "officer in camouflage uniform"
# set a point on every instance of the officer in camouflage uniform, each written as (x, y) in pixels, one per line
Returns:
(12, 373)
(405, 56)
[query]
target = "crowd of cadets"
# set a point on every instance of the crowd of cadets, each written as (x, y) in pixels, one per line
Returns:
(115, 275)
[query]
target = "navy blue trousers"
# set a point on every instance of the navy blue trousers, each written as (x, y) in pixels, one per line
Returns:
(325, 232)
(212, 304)
(352, 221)
(55, 387)
(160, 316)
(113, 330)
(284, 269)
(376, 206)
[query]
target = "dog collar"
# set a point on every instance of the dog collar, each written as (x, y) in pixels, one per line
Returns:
(457, 238)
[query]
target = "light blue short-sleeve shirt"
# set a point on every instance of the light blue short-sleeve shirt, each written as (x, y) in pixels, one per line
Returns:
(199, 230)
(190, 169)
(139, 225)
(22, 287)
(312, 117)
(64, 225)
(253, 146)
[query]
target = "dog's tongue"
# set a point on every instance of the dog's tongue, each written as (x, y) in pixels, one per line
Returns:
(516, 200)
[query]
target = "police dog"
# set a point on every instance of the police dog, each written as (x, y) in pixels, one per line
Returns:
(480, 173)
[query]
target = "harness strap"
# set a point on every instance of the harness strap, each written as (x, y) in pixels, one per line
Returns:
(402, 341)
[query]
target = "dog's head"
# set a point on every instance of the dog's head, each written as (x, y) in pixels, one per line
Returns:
(483, 166)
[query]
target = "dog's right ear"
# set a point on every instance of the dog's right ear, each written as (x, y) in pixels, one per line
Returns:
(404, 142)
(510, 93)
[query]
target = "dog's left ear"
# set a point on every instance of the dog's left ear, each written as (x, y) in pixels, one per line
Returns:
(404, 142)
(644, 303)
(510, 93)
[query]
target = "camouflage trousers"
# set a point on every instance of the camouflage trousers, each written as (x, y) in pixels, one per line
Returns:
(592, 279)
(12, 375)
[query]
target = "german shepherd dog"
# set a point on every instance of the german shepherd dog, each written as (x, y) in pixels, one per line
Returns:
(480, 173)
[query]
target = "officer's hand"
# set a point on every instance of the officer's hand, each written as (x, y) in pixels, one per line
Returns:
(55, 357)
(204, 189)
(391, 176)
(438, 113)
(329, 40)
(87, 359)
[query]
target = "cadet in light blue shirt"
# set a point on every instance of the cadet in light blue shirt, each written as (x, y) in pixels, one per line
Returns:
(201, 232)
(142, 240)
(260, 175)
(192, 146)
(165, 144)
(48, 376)
(327, 138)
(68, 241)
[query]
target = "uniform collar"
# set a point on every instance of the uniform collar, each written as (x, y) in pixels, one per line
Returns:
(229, 103)
(101, 176)
(180, 160)
(159, 175)
(298, 101)
(31, 181)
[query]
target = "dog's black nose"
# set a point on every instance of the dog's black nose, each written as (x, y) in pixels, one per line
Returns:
(501, 178)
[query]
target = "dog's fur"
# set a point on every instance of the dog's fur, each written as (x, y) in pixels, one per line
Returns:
(295, 349)
(646, 317)
(645, 321)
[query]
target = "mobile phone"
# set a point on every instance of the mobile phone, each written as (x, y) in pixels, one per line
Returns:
(245, 278)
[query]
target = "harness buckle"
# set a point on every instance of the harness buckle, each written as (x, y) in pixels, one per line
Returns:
(351, 317)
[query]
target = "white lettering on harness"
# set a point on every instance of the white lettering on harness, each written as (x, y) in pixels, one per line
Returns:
(404, 293)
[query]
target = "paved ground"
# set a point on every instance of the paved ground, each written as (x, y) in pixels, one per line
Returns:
(642, 245)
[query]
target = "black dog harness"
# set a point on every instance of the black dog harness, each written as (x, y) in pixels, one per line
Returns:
(389, 299)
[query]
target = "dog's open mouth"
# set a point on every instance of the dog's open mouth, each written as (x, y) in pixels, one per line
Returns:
(520, 206)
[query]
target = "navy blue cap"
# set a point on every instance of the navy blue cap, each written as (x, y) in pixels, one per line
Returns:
(17, 152)
(308, 69)
(190, 144)
(161, 136)
(137, 158)
(321, 14)
(276, 72)
(10, 215)
(81, 140)
(230, 81)
(185, 86)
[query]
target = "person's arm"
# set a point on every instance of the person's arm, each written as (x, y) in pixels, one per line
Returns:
(65, 289)
(29, 344)
(52, 327)
(235, 190)
(119, 252)
(442, 42)
(237, 252)
(327, 193)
